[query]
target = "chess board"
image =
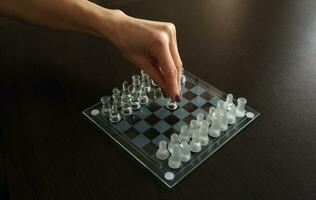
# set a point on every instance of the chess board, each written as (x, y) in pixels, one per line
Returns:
(140, 133)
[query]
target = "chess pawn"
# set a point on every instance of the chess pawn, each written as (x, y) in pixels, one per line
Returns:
(171, 104)
(240, 110)
(116, 97)
(114, 114)
(144, 98)
(215, 129)
(195, 144)
(162, 153)
(199, 118)
(174, 139)
(126, 106)
(106, 105)
(231, 114)
(194, 127)
(183, 79)
(229, 101)
(174, 161)
(145, 82)
(185, 154)
(184, 134)
(135, 102)
(203, 134)
(210, 114)
(224, 121)
(125, 90)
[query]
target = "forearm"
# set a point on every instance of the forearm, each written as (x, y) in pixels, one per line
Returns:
(76, 15)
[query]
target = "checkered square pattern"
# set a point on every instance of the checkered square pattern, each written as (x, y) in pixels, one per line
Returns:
(154, 122)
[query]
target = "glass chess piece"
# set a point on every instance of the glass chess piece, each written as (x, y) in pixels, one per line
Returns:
(106, 105)
(199, 118)
(185, 154)
(145, 82)
(157, 93)
(171, 104)
(114, 114)
(229, 101)
(162, 153)
(195, 144)
(116, 97)
(215, 129)
(224, 121)
(184, 134)
(174, 139)
(194, 127)
(240, 109)
(136, 91)
(231, 114)
(203, 134)
(174, 161)
(125, 90)
(126, 107)
(183, 79)
(210, 114)
(144, 97)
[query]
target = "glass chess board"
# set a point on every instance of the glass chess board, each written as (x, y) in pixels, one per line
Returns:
(139, 134)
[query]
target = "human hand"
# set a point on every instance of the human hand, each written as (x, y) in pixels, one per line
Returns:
(152, 46)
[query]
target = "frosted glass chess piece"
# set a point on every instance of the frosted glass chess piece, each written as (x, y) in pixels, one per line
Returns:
(144, 97)
(171, 104)
(194, 127)
(203, 135)
(184, 134)
(116, 97)
(185, 154)
(220, 106)
(210, 114)
(240, 110)
(157, 93)
(162, 153)
(106, 105)
(215, 129)
(224, 121)
(145, 82)
(199, 118)
(231, 114)
(174, 161)
(174, 139)
(126, 107)
(195, 144)
(126, 91)
(229, 101)
(114, 114)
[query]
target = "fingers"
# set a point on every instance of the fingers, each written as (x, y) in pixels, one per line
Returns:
(169, 70)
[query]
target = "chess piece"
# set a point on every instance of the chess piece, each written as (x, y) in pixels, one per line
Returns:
(194, 127)
(136, 85)
(174, 139)
(184, 134)
(183, 79)
(126, 91)
(231, 114)
(210, 114)
(114, 114)
(240, 110)
(126, 107)
(220, 106)
(203, 135)
(162, 153)
(171, 104)
(157, 93)
(144, 98)
(185, 154)
(174, 161)
(195, 144)
(215, 129)
(224, 121)
(116, 97)
(106, 105)
(145, 82)
(229, 101)
(199, 118)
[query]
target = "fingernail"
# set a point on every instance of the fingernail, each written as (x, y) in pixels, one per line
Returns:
(178, 98)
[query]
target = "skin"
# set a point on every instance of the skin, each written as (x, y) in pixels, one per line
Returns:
(150, 45)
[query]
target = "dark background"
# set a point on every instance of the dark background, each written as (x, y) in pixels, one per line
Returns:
(263, 50)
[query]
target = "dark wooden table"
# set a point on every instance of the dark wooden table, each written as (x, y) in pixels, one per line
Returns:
(262, 50)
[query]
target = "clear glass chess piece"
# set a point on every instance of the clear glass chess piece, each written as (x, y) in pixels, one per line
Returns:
(157, 93)
(106, 105)
(171, 104)
(183, 79)
(240, 110)
(114, 114)
(126, 106)
(145, 82)
(116, 97)
(162, 153)
(125, 90)
(144, 97)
